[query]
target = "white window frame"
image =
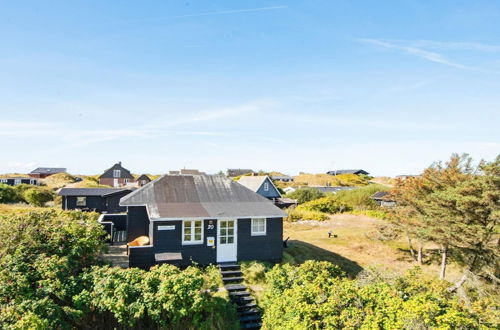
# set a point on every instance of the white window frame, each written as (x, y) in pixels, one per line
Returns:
(17, 181)
(126, 181)
(117, 173)
(32, 181)
(266, 186)
(192, 225)
(78, 201)
(4, 180)
(258, 232)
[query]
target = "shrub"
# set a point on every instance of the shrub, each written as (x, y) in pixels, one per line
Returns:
(297, 214)
(328, 204)
(7, 194)
(319, 297)
(303, 195)
(37, 196)
(254, 272)
(359, 198)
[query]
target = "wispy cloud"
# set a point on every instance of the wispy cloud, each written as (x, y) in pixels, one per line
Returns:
(422, 53)
(451, 45)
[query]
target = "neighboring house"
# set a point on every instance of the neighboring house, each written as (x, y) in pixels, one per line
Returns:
(142, 180)
(102, 200)
(357, 172)
(289, 189)
(328, 189)
(20, 180)
(282, 178)
(234, 172)
(116, 176)
(264, 186)
(43, 172)
(383, 198)
(205, 219)
(261, 184)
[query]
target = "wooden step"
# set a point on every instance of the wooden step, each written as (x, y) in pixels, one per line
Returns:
(243, 300)
(250, 311)
(256, 325)
(232, 279)
(229, 266)
(235, 287)
(230, 273)
(237, 294)
(250, 318)
(246, 306)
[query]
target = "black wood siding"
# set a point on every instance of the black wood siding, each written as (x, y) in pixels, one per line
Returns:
(108, 204)
(171, 241)
(137, 222)
(262, 248)
(119, 220)
(141, 257)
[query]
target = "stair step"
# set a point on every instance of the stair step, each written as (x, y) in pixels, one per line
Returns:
(235, 287)
(237, 294)
(229, 266)
(256, 325)
(248, 312)
(229, 273)
(243, 300)
(246, 306)
(232, 279)
(250, 318)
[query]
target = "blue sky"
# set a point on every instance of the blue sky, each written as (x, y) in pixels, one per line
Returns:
(387, 86)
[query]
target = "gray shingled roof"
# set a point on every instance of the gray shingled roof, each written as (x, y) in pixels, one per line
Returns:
(48, 170)
(89, 191)
(252, 182)
(200, 196)
(337, 172)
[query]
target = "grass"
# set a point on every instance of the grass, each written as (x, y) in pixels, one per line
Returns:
(356, 247)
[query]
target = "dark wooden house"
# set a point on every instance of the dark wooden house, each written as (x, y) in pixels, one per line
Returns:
(116, 176)
(142, 180)
(43, 172)
(19, 180)
(384, 199)
(201, 218)
(264, 186)
(102, 200)
(356, 171)
(234, 172)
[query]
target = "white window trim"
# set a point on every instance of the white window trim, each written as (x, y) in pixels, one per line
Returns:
(117, 173)
(84, 199)
(192, 232)
(259, 233)
(17, 181)
(3, 180)
(266, 186)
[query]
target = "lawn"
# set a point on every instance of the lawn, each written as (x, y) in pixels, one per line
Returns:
(357, 246)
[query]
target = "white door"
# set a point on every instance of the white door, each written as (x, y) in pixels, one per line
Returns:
(115, 183)
(226, 240)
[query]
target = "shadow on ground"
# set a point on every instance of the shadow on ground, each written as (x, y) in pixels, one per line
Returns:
(297, 252)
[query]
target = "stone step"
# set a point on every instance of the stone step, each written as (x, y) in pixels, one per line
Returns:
(229, 266)
(235, 287)
(243, 300)
(232, 279)
(237, 294)
(250, 318)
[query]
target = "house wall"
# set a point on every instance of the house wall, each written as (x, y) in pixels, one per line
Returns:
(141, 257)
(119, 220)
(111, 181)
(12, 181)
(137, 222)
(93, 202)
(271, 193)
(113, 202)
(171, 241)
(263, 248)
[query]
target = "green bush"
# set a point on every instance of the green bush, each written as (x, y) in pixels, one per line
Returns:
(37, 196)
(254, 272)
(318, 296)
(329, 204)
(297, 214)
(359, 198)
(8, 194)
(303, 195)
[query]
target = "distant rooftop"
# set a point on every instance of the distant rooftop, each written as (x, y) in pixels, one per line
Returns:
(354, 171)
(48, 170)
(90, 191)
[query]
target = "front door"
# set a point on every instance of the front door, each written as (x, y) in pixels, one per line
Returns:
(226, 240)
(115, 183)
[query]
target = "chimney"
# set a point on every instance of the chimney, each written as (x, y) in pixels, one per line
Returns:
(120, 163)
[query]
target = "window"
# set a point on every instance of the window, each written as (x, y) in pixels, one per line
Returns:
(117, 173)
(258, 227)
(32, 181)
(3, 180)
(126, 181)
(266, 186)
(17, 181)
(81, 201)
(192, 232)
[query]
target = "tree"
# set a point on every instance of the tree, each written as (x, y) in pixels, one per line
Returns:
(38, 196)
